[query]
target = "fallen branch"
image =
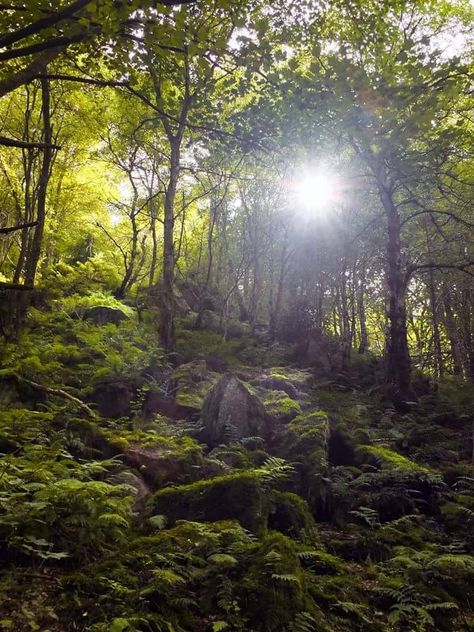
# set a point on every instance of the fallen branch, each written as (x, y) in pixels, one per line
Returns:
(58, 392)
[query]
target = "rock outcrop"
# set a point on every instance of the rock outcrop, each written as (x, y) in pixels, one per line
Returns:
(231, 412)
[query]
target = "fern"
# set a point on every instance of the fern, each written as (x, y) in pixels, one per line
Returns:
(303, 622)
(368, 516)
(286, 578)
(274, 471)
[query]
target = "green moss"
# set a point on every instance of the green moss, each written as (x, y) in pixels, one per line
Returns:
(388, 459)
(179, 446)
(194, 383)
(236, 496)
(77, 304)
(291, 515)
(307, 436)
(279, 405)
(194, 343)
(305, 440)
(298, 377)
(277, 582)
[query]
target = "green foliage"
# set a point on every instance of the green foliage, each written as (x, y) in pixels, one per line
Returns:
(52, 506)
(60, 350)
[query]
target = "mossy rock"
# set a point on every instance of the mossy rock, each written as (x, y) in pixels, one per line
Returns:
(305, 441)
(275, 584)
(280, 406)
(104, 315)
(302, 380)
(234, 497)
(231, 412)
(276, 383)
(389, 459)
(194, 382)
(291, 515)
(159, 459)
(191, 344)
(307, 437)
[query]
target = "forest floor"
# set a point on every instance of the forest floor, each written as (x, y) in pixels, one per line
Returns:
(241, 490)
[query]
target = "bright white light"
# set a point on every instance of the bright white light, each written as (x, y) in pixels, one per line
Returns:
(316, 191)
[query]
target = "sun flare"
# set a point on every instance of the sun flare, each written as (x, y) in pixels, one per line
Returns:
(316, 191)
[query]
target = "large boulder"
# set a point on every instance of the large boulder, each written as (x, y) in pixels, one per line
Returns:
(230, 412)
(237, 496)
(103, 315)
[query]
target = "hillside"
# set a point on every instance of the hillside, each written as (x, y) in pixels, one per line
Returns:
(236, 316)
(241, 490)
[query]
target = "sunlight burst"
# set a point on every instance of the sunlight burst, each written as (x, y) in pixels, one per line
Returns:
(316, 191)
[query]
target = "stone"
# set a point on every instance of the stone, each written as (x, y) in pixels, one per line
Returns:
(231, 412)
(159, 465)
(193, 382)
(113, 398)
(237, 496)
(274, 383)
(141, 491)
(280, 407)
(102, 315)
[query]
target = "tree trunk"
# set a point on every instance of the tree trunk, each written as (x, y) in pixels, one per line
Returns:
(364, 340)
(344, 317)
(398, 356)
(438, 352)
(276, 308)
(451, 330)
(167, 330)
(35, 251)
(128, 277)
(154, 250)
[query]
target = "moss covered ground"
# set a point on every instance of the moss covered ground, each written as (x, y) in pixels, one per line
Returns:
(349, 517)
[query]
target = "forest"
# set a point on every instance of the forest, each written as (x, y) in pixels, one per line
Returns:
(236, 316)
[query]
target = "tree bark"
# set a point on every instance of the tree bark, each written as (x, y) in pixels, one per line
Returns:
(398, 356)
(35, 252)
(451, 330)
(364, 339)
(167, 308)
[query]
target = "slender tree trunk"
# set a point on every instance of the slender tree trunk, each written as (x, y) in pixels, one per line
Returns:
(276, 308)
(154, 249)
(364, 340)
(451, 330)
(466, 313)
(167, 330)
(128, 277)
(438, 351)
(35, 251)
(398, 356)
(344, 318)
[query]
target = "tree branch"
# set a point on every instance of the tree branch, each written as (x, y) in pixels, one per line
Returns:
(43, 23)
(27, 74)
(22, 144)
(55, 42)
(11, 229)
